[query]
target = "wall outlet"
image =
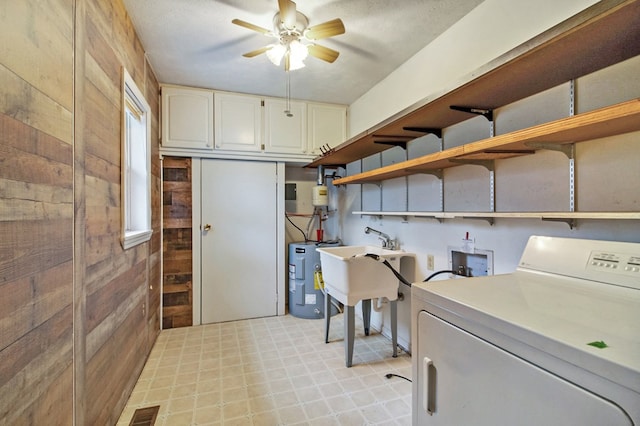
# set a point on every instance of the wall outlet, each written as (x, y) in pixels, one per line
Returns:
(430, 262)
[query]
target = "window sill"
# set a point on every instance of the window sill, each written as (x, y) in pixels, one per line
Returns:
(134, 238)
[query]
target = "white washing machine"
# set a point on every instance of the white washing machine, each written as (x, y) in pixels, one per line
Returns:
(557, 342)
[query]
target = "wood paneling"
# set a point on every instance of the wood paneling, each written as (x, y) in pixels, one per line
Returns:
(109, 370)
(177, 251)
(30, 301)
(32, 107)
(78, 314)
(119, 322)
(39, 362)
(109, 298)
(38, 36)
(104, 129)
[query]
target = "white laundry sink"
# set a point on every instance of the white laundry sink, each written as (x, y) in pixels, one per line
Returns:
(349, 276)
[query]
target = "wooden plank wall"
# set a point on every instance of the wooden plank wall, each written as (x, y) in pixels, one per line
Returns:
(120, 323)
(36, 212)
(60, 172)
(177, 251)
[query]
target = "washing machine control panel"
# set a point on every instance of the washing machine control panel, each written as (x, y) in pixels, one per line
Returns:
(615, 263)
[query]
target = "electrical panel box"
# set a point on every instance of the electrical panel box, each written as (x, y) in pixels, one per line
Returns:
(474, 263)
(290, 192)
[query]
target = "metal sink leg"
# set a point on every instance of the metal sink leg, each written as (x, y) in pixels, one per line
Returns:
(349, 325)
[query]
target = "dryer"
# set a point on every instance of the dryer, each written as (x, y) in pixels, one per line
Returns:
(557, 342)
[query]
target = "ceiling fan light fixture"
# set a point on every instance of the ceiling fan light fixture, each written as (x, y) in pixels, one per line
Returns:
(276, 53)
(299, 51)
(295, 64)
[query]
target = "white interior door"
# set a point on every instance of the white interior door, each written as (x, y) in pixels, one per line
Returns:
(239, 240)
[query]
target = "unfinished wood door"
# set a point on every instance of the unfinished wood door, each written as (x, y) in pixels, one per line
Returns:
(239, 230)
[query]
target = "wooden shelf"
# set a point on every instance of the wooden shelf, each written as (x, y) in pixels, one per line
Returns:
(512, 215)
(569, 218)
(609, 121)
(602, 35)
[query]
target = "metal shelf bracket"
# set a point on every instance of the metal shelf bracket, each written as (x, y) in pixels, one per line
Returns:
(439, 219)
(393, 140)
(486, 113)
(437, 173)
(490, 220)
(487, 164)
(401, 144)
(566, 149)
(569, 221)
(425, 130)
(378, 184)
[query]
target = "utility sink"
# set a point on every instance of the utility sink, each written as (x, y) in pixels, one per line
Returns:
(349, 276)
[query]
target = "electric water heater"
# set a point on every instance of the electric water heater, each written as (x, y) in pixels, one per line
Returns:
(320, 196)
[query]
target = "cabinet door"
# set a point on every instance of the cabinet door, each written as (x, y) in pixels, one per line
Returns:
(327, 126)
(238, 122)
(187, 118)
(285, 133)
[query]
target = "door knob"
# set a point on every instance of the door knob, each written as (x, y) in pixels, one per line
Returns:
(207, 227)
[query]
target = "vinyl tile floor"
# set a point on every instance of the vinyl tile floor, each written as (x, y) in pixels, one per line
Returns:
(272, 371)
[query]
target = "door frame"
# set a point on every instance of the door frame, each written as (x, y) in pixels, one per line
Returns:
(196, 235)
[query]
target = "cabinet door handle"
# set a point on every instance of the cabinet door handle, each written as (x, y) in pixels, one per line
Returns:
(207, 227)
(428, 386)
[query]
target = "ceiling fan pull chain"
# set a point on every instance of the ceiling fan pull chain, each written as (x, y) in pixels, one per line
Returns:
(288, 94)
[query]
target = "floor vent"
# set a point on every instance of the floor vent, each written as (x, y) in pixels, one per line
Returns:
(145, 416)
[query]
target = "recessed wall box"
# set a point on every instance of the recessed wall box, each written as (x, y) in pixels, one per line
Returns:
(476, 264)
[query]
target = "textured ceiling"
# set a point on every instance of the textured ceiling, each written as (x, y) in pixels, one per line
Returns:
(194, 43)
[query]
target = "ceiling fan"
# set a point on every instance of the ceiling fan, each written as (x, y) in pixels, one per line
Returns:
(294, 37)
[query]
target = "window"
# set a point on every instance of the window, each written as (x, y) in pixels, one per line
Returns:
(136, 165)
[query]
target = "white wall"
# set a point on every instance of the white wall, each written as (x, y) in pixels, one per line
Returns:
(607, 172)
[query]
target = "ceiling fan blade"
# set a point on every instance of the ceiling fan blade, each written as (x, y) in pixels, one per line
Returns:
(323, 53)
(251, 26)
(287, 13)
(256, 52)
(324, 30)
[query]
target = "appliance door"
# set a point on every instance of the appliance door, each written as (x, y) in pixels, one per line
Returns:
(464, 380)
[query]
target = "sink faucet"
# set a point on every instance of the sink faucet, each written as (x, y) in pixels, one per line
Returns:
(387, 242)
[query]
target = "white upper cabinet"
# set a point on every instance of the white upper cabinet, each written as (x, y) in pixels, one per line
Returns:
(285, 126)
(187, 118)
(327, 125)
(222, 124)
(238, 122)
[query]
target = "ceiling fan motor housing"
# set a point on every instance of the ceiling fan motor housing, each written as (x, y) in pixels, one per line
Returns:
(302, 22)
